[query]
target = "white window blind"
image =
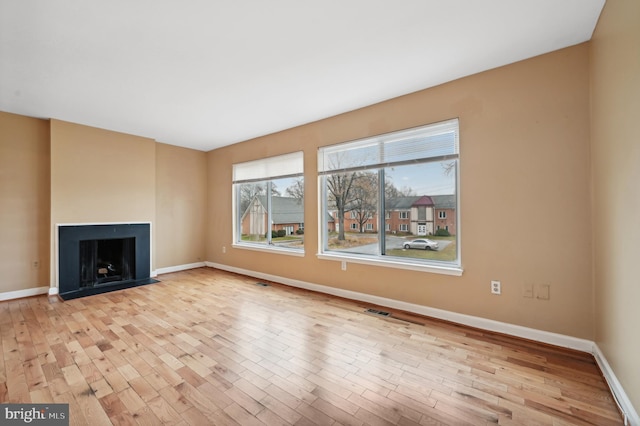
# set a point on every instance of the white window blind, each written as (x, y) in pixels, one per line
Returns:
(434, 142)
(268, 168)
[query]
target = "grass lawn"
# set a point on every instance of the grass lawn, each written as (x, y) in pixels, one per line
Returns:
(262, 238)
(447, 254)
(351, 240)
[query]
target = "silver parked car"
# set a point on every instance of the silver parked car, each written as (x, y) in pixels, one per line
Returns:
(421, 243)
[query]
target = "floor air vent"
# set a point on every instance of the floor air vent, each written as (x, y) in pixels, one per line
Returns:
(262, 284)
(377, 312)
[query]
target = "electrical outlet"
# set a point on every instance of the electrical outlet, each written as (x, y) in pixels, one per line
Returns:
(495, 287)
(527, 290)
(344, 265)
(224, 249)
(36, 264)
(543, 291)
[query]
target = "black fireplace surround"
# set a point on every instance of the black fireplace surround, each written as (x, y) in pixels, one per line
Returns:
(99, 258)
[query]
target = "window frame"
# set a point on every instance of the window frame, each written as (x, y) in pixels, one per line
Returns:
(266, 170)
(381, 259)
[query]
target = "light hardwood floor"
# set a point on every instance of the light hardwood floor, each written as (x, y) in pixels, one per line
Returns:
(210, 347)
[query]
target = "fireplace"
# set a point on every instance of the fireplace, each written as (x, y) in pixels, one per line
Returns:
(99, 258)
(107, 261)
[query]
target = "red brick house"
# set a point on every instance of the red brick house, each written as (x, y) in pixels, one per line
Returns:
(417, 215)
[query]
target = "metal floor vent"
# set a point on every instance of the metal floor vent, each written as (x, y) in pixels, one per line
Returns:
(377, 312)
(262, 284)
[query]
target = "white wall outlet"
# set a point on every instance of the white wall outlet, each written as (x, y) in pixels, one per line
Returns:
(224, 249)
(344, 265)
(496, 287)
(543, 291)
(527, 290)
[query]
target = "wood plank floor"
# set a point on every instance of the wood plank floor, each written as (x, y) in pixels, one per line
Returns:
(210, 347)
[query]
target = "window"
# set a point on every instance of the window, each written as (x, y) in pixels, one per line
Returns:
(387, 227)
(268, 203)
(414, 172)
(369, 227)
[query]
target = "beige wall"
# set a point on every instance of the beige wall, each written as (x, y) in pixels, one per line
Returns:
(24, 202)
(58, 172)
(526, 168)
(100, 176)
(525, 195)
(181, 179)
(615, 127)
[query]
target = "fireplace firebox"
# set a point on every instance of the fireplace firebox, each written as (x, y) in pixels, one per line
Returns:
(99, 258)
(106, 261)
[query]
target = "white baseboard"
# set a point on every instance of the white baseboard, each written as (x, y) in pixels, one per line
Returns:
(472, 321)
(18, 294)
(178, 268)
(631, 415)
(583, 345)
(53, 291)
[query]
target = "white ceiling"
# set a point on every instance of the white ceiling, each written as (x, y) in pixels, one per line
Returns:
(208, 73)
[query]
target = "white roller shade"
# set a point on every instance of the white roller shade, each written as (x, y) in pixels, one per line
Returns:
(269, 168)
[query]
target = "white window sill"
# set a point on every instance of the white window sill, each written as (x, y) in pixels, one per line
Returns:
(392, 263)
(269, 249)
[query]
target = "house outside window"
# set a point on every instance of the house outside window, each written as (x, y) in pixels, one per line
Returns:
(262, 215)
(361, 177)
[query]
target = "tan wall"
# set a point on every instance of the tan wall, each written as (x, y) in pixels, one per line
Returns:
(100, 176)
(615, 86)
(24, 202)
(525, 195)
(181, 180)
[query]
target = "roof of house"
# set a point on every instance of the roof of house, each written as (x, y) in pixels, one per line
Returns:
(400, 203)
(423, 201)
(285, 210)
(444, 201)
(438, 201)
